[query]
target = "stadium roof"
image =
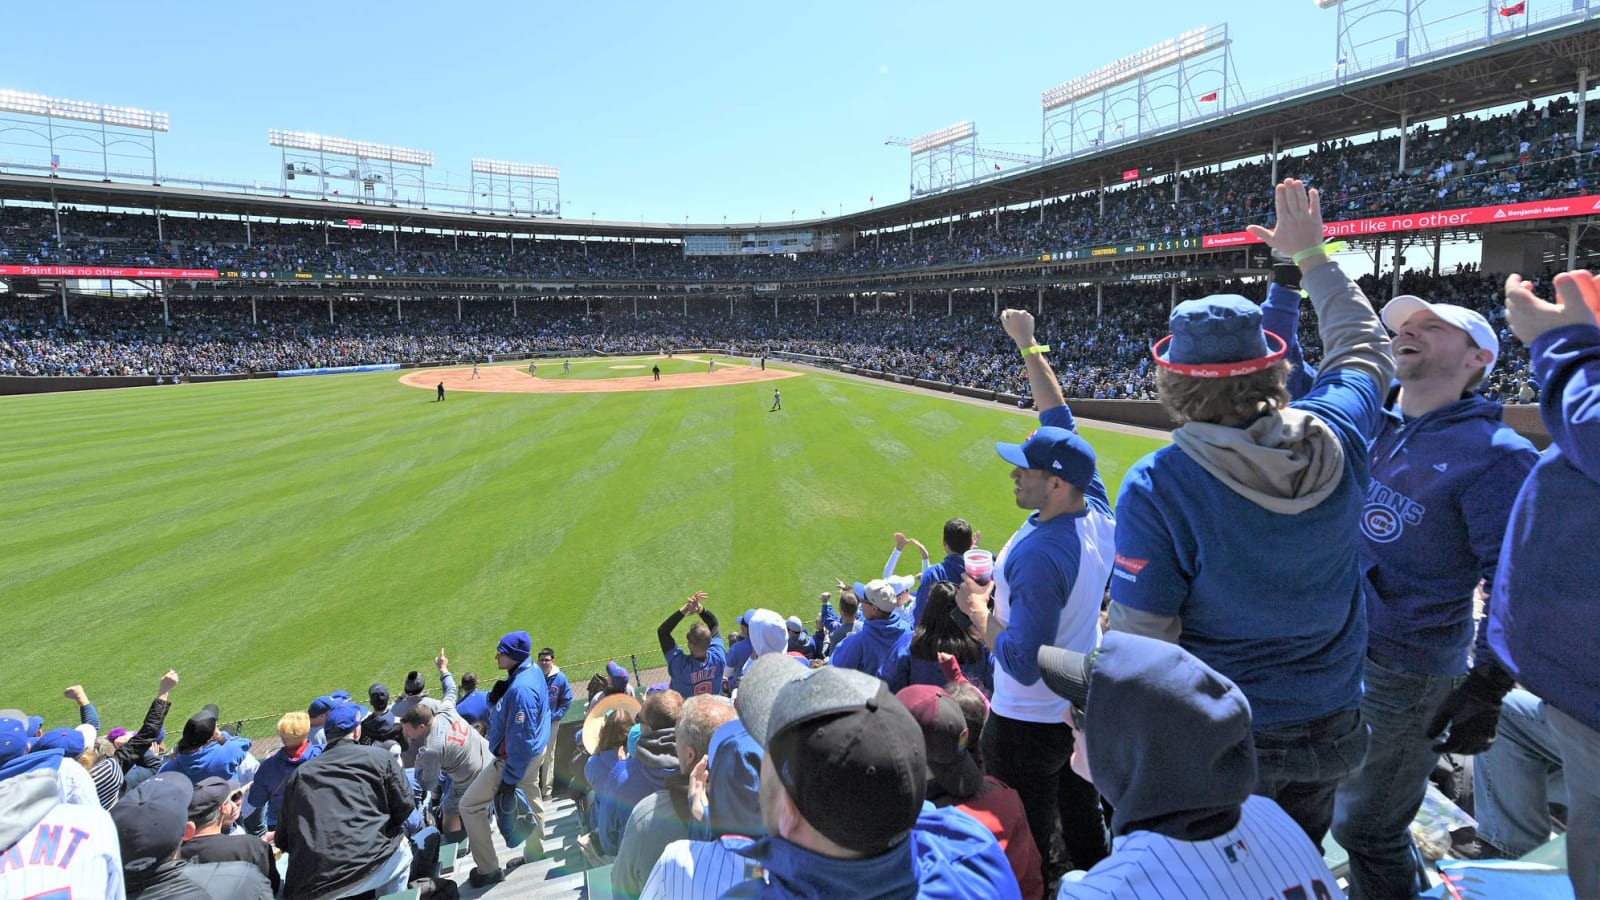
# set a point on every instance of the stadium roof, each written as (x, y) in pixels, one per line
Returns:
(1512, 71)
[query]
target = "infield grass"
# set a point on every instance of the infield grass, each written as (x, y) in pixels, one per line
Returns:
(276, 539)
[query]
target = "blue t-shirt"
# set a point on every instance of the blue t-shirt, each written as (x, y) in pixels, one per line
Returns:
(689, 676)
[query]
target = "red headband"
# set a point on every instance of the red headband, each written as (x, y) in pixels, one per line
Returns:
(1220, 369)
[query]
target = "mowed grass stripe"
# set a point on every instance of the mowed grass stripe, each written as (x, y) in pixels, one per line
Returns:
(278, 539)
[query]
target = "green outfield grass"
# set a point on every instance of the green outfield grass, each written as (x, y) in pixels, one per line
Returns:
(276, 539)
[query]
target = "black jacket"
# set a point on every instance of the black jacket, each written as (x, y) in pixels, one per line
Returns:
(179, 879)
(133, 750)
(216, 848)
(341, 817)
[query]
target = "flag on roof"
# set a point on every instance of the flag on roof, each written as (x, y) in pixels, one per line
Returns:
(1515, 9)
(1209, 98)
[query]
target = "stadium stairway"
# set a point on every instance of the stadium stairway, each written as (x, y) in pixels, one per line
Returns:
(560, 875)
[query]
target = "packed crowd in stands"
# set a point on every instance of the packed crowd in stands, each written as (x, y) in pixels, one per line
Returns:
(1525, 155)
(1100, 357)
(1182, 693)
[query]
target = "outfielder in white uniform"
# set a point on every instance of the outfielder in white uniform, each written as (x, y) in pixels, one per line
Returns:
(1166, 740)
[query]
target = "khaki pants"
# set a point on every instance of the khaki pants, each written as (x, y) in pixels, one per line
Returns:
(475, 806)
(546, 764)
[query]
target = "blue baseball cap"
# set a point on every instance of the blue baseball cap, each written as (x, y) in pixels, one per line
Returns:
(321, 706)
(13, 739)
(1219, 336)
(342, 720)
(67, 740)
(1060, 452)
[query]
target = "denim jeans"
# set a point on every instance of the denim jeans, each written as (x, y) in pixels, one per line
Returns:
(1517, 778)
(1580, 757)
(1300, 766)
(1034, 759)
(389, 878)
(1373, 808)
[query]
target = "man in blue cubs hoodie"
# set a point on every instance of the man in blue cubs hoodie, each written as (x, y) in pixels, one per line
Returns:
(1240, 542)
(1544, 611)
(885, 625)
(843, 787)
(1445, 470)
(519, 727)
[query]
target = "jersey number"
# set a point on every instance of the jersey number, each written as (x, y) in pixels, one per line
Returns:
(458, 732)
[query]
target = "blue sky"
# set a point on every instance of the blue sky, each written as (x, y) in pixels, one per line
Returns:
(654, 111)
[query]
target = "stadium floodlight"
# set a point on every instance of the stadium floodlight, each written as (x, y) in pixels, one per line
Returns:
(319, 143)
(82, 111)
(944, 136)
(1188, 45)
(1328, 4)
(514, 169)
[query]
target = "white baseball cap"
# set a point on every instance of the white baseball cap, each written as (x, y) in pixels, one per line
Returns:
(1397, 311)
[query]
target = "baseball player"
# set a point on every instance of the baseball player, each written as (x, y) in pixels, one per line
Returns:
(441, 392)
(777, 401)
(1166, 740)
(711, 365)
(566, 366)
(475, 371)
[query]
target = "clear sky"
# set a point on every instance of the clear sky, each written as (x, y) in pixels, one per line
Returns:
(656, 111)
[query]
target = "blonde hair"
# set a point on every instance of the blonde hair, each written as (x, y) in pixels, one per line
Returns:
(294, 728)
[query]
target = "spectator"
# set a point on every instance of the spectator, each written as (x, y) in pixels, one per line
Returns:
(1445, 470)
(954, 779)
(473, 705)
(206, 752)
(605, 737)
(849, 621)
(318, 712)
(842, 789)
(560, 702)
(33, 816)
(1251, 476)
(519, 727)
(653, 761)
(213, 810)
(448, 746)
(799, 642)
(738, 651)
(1542, 611)
(768, 635)
(1166, 740)
(664, 816)
(885, 625)
(699, 671)
(1048, 581)
(381, 725)
(152, 823)
(135, 750)
(264, 802)
(343, 816)
(1516, 781)
(915, 658)
(957, 541)
(416, 691)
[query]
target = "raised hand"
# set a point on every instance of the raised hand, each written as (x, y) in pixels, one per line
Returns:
(1299, 219)
(1018, 324)
(441, 661)
(1530, 317)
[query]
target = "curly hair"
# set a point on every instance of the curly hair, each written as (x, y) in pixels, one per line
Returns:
(1239, 398)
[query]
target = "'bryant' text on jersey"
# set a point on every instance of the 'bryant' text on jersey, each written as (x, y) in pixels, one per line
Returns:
(47, 849)
(1388, 512)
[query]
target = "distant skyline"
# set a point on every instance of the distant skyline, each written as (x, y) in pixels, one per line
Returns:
(702, 112)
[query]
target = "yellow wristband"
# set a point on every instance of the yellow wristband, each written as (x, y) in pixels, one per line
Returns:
(1040, 349)
(1327, 249)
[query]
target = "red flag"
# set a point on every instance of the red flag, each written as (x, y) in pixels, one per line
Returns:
(997, 167)
(1209, 98)
(869, 199)
(1515, 9)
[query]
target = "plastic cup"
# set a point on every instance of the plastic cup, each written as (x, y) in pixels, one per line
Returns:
(979, 564)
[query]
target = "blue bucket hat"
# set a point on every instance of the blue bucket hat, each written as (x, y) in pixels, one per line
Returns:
(1219, 336)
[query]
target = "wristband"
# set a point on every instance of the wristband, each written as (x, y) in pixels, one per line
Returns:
(1039, 349)
(1325, 249)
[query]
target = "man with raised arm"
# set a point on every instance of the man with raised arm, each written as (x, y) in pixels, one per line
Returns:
(1240, 541)
(698, 671)
(1049, 579)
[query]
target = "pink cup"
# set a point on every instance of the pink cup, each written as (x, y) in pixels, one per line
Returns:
(979, 564)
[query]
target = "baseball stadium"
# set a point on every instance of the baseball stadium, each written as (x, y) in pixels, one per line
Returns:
(349, 421)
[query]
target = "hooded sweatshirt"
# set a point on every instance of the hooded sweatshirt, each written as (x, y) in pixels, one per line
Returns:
(211, 760)
(866, 650)
(51, 848)
(647, 770)
(1242, 543)
(1442, 488)
(1169, 746)
(948, 854)
(733, 784)
(1544, 612)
